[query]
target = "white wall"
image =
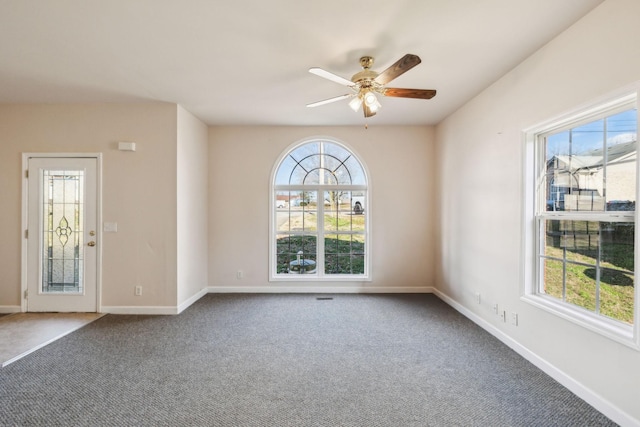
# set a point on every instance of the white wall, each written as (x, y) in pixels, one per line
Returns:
(400, 161)
(192, 197)
(139, 192)
(480, 152)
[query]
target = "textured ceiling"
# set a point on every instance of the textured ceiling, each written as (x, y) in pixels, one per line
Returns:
(246, 62)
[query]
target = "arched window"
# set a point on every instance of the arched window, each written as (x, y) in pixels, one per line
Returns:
(320, 212)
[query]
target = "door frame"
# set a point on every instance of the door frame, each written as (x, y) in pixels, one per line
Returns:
(25, 216)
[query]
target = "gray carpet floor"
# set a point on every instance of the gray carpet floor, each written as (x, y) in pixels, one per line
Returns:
(287, 360)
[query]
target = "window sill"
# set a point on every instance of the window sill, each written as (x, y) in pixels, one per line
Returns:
(617, 331)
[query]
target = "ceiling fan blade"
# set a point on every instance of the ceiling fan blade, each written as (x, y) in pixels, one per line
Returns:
(401, 66)
(330, 76)
(409, 93)
(327, 101)
(367, 110)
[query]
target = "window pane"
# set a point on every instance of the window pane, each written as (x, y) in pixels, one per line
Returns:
(310, 221)
(343, 175)
(616, 295)
(581, 286)
(579, 239)
(581, 160)
(283, 174)
(331, 163)
(344, 254)
(356, 171)
(339, 214)
(310, 163)
(334, 150)
(617, 274)
(595, 260)
(621, 154)
(585, 165)
(302, 215)
(305, 150)
(618, 245)
(296, 254)
(330, 221)
(553, 278)
(282, 200)
(282, 221)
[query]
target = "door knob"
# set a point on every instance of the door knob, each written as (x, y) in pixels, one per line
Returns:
(91, 243)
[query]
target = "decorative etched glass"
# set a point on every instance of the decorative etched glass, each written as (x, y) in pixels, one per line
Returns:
(62, 239)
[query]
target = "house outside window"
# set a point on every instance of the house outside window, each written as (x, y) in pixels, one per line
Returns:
(319, 214)
(581, 218)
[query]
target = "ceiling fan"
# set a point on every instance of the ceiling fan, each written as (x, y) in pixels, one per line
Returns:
(367, 83)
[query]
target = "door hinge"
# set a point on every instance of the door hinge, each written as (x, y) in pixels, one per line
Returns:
(26, 173)
(26, 294)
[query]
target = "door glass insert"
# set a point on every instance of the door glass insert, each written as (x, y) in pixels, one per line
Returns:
(62, 239)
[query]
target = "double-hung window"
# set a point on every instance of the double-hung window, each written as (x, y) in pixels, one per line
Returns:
(582, 218)
(319, 214)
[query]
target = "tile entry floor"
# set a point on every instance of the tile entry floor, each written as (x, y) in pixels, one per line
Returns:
(24, 333)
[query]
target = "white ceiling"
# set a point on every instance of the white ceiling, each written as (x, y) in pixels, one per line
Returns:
(245, 62)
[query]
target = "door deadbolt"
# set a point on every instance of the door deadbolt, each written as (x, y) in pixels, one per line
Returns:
(91, 243)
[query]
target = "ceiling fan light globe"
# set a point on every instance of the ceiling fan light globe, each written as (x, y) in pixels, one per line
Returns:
(370, 99)
(355, 103)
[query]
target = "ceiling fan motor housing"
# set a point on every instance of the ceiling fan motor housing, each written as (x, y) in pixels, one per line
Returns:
(366, 76)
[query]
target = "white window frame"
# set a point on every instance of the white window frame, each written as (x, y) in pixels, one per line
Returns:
(616, 102)
(319, 276)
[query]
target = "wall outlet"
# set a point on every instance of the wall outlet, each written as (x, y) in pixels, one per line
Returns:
(138, 291)
(495, 308)
(239, 274)
(514, 319)
(478, 297)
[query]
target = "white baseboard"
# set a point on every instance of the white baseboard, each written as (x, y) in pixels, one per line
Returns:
(10, 309)
(169, 310)
(320, 289)
(154, 310)
(132, 309)
(588, 395)
(183, 306)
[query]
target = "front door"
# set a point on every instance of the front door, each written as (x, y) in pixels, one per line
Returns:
(61, 234)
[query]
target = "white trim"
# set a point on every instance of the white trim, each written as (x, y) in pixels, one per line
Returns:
(25, 222)
(602, 325)
(186, 304)
(579, 389)
(145, 310)
(321, 289)
(169, 310)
